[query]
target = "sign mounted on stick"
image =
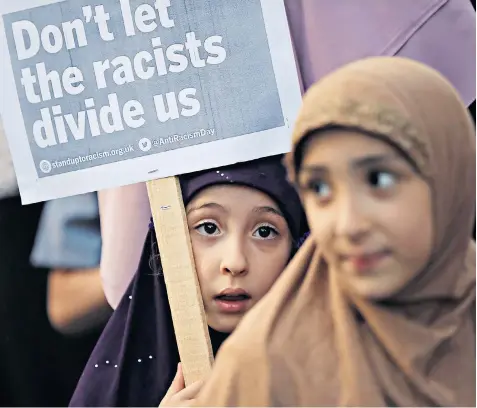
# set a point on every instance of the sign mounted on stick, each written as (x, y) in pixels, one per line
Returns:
(113, 92)
(108, 93)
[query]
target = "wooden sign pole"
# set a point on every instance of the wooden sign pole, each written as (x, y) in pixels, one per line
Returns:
(183, 291)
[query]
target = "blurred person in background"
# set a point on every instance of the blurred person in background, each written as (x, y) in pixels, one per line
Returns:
(68, 243)
(38, 365)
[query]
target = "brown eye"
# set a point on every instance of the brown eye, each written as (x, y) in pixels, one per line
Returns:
(265, 232)
(320, 188)
(208, 228)
(381, 179)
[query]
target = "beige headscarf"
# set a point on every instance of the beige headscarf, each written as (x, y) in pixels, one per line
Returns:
(303, 345)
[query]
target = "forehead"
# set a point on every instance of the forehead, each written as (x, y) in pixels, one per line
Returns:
(339, 145)
(232, 196)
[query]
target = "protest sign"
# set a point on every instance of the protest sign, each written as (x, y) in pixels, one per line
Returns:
(113, 92)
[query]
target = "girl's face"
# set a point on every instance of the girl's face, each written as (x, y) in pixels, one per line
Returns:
(368, 209)
(241, 244)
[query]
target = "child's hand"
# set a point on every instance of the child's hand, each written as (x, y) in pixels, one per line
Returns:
(178, 395)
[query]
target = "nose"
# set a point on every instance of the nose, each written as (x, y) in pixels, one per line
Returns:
(353, 221)
(234, 258)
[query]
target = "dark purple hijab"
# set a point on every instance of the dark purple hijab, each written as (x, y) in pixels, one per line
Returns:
(136, 357)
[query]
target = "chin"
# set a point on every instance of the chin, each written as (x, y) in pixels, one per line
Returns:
(225, 324)
(376, 289)
(381, 283)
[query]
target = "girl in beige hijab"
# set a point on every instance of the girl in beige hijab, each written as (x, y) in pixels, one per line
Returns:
(378, 307)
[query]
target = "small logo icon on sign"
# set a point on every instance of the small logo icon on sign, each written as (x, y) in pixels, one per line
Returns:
(45, 166)
(145, 144)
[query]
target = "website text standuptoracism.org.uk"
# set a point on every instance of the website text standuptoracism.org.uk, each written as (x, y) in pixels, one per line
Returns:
(144, 145)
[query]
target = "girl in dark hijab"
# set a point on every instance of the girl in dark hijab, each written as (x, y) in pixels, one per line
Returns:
(245, 222)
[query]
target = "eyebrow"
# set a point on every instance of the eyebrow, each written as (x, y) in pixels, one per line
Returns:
(260, 210)
(357, 163)
(206, 205)
(269, 210)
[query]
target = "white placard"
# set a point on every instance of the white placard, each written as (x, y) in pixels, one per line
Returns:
(114, 92)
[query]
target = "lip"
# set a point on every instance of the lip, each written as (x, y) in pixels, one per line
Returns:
(233, 292)
(230, 305)
(364, 261)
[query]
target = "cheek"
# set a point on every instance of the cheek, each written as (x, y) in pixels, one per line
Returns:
(412, 228)
(267, 267)
(319, 220)
(205, 261)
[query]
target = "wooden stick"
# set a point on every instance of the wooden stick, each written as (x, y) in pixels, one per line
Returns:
(183, 291)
